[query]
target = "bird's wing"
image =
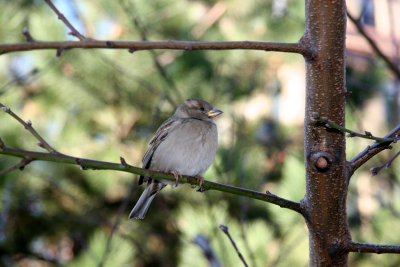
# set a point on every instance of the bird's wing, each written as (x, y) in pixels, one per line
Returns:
(160, 136)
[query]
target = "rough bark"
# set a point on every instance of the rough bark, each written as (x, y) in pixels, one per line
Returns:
(324, 205)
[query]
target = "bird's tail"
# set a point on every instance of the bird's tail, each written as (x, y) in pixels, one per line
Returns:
(143, 204)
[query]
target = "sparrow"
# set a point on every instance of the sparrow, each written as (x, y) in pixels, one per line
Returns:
(184, 144)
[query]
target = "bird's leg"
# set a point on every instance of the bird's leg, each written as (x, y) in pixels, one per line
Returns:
(177, 175)
(200, 179)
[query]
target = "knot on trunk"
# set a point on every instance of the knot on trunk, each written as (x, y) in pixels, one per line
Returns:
(322, 161)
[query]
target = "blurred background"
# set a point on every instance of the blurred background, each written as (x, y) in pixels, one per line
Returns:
(103, 104)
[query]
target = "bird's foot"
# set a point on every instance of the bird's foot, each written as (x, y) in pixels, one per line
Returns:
(177, 176)
(200, 179)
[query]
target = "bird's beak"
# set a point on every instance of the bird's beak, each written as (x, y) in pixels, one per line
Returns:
(214, 113)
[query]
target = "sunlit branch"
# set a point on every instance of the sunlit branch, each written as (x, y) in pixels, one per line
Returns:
(151, 45)
(88, 43)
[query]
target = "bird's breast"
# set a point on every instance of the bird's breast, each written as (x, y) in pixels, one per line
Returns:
(188, 149)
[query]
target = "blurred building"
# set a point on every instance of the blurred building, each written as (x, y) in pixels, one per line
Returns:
(381, 21)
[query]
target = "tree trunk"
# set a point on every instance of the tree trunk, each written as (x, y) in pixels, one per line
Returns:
(324, 204)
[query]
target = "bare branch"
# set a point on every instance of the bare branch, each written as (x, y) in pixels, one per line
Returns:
(371, 151)
(28, 126)
(61, 17)
(224, 229)
(372, 43)
(372, 248)
(149, 45)
(376, 170)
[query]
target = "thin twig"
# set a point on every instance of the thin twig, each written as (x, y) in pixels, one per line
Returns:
(20, 165)
(27, 35)
(376, 170)
(372, 43)
(61, 17)
(117, 221)
(28, 126)
(380, 144)
(151, 45)
(371, 151)
(372, 248)
(367, 135)
(224, 229)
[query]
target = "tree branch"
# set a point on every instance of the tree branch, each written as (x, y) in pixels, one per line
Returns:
(372, 43)
(88, 43)
(86, 164)
(149, 45)
(224, 229)
(20, 165)
(380, 144)
(61, 17)
(371, 151)
(372, 248)
(330, 124)
(28, 126)
(377, 169)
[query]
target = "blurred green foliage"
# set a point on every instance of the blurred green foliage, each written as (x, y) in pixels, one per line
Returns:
(103, 104)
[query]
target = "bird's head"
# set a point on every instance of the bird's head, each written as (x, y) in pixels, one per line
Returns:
(197, 108)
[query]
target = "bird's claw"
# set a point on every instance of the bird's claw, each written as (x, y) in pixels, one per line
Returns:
(177, 176)
(200, 179)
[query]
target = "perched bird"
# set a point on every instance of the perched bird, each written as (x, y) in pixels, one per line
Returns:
(185, 144)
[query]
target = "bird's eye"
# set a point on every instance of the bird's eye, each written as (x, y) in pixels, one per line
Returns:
(202, 109)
